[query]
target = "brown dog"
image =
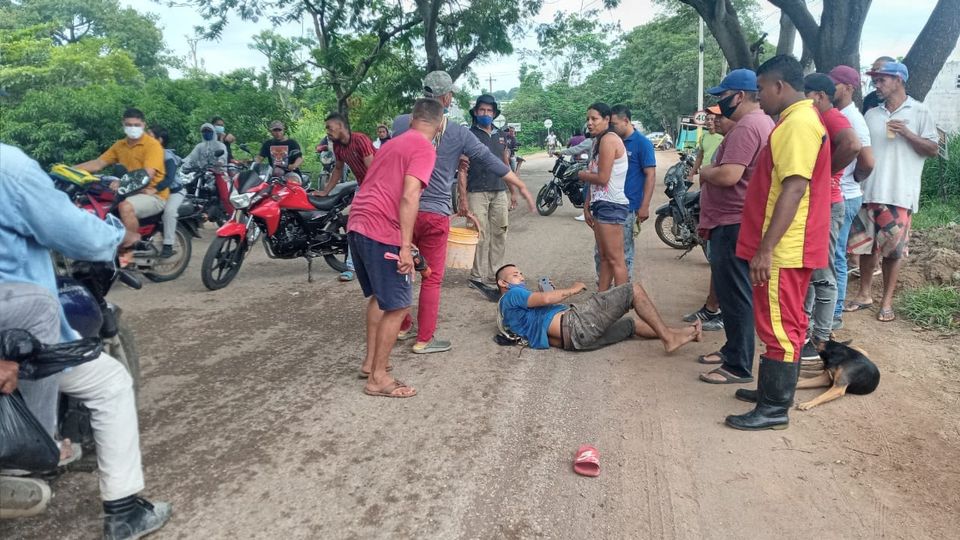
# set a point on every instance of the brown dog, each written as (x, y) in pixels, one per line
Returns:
(845, 369)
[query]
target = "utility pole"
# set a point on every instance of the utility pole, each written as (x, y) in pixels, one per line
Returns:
(699, 79)
(490, 79)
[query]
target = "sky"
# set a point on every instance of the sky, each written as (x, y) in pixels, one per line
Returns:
(889, 30)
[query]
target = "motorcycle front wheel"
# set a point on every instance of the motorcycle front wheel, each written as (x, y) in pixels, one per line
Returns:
(548, 199)
(664, 227)
(170, 268)
(222, 262)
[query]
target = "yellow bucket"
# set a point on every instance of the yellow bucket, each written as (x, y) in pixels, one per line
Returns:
(462, 247)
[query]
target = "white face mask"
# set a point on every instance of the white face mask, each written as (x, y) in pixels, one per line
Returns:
(133, 132)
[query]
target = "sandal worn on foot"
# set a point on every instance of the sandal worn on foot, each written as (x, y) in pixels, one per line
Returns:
(852, 306)
(390, 390)
(886, 315)
(702, 359)
(727, 377)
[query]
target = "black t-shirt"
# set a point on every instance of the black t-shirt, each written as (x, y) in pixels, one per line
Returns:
(870, 101)
(280, 153)
(479, 178)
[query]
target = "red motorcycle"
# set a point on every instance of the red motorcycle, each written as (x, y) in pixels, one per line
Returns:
(101, 197)
(293, 223)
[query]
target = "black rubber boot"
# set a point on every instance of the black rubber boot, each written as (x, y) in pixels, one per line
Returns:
(776, 385)
(744, 394)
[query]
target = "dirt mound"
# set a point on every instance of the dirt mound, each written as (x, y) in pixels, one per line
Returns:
(934, 257)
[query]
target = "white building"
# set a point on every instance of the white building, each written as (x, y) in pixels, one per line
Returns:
(944, 96)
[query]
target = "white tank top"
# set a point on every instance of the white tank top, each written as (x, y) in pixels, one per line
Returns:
(613, 191)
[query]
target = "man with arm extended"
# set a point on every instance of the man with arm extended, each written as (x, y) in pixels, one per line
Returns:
(380, 234)
(784, 234)
(436, 205)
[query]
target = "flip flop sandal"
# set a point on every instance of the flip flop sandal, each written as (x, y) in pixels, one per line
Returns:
(850, 307)
(76, 452)
(702, 359)
(364, 374)
(346, 276)
(388, 391)
(728, 378)
(886, 315)
(586, 462)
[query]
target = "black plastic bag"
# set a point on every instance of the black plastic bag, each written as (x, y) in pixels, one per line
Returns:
(38, 360)
(24, 444)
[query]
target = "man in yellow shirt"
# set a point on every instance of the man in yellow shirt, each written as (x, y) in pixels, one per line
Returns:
(137, 151)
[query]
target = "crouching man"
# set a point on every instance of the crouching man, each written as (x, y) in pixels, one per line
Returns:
(543, 321)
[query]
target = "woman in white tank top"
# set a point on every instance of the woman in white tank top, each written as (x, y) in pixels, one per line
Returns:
(607, 207)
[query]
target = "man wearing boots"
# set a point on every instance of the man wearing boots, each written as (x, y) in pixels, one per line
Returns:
(784, 234)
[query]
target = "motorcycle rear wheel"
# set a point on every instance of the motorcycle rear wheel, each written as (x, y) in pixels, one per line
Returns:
(222, 262)
(171, 268)
(664, 227)
(548, 198)
(338, 260)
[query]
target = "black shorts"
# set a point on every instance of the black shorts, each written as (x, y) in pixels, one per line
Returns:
(377, 275)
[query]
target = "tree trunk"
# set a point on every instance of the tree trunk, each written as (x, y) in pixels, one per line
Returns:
(788, 35)
(838, 41)
(721, 18)
(429, 12)
(932, 47)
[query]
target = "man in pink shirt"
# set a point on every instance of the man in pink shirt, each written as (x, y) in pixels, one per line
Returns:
(380, 236)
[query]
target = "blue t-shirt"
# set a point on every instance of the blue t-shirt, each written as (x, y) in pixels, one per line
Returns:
(640, 155)
(530, 323)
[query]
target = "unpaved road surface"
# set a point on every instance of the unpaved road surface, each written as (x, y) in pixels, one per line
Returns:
(254, 424)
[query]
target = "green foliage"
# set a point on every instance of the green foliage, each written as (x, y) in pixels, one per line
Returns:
(935, 212)
(941, 179)
(931, 307)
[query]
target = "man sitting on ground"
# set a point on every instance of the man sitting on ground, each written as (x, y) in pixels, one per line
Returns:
(539, 318)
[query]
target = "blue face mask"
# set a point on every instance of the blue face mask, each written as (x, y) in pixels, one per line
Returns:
(512, 285)
(220, 129)
(484, 121)
(208, 135)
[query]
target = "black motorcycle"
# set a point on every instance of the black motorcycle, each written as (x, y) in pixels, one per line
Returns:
(565, 181)
(678, 220)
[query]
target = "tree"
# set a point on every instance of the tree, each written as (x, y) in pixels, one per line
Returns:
(835, 39)
(72, 21)
(576, 44)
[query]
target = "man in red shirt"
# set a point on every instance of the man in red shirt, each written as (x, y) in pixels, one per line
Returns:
(784, 234)
(380, 236)
(354, 149)
(844, 148)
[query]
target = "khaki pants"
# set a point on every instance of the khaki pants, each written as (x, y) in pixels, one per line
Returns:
(491, 209)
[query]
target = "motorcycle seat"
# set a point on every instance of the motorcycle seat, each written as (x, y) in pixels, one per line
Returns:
(337, 194)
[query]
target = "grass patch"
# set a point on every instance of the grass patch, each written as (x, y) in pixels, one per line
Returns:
(528, 150)
(936, 213)
(932, 307)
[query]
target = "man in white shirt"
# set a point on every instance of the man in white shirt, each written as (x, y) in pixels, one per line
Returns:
(903, 135)
(847, 81)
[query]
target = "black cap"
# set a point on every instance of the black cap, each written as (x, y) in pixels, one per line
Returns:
(819, 82)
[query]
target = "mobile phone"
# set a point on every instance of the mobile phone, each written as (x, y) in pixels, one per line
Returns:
(545, 284)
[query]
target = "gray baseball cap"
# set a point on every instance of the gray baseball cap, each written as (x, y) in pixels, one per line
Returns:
(437, 83)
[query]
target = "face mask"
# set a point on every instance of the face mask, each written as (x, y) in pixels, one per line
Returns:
(512, 285)
(208, 135)
(220, 129)
(725, 108)
(484, 121)
(133, 132)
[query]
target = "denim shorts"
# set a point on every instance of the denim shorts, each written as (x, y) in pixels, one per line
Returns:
(378, 275)
(609, 213)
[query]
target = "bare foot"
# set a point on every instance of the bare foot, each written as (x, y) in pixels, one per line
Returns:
(66, 450)
(678, 337)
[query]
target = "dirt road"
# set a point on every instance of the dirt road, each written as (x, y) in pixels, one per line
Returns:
(254, 424)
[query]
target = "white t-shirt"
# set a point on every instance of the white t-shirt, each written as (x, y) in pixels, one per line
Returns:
(849, 186)
(613, 191)
(896, 175)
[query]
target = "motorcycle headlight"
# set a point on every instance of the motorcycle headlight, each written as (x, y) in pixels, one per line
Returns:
(240, 200)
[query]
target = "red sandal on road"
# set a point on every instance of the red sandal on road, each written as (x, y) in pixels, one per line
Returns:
(587, 461)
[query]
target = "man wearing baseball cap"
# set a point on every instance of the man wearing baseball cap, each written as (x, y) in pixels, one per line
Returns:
(436, 205)
(723, 191)
(822, 293)
(281, 152)
(903, 134)
(846, 81)
(872, 99)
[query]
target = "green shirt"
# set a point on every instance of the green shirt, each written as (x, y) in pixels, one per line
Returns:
(709, 143)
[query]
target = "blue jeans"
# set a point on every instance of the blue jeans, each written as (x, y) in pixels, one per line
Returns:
(731, 280)
(850, 209)
(822, 292)
(627, 247)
